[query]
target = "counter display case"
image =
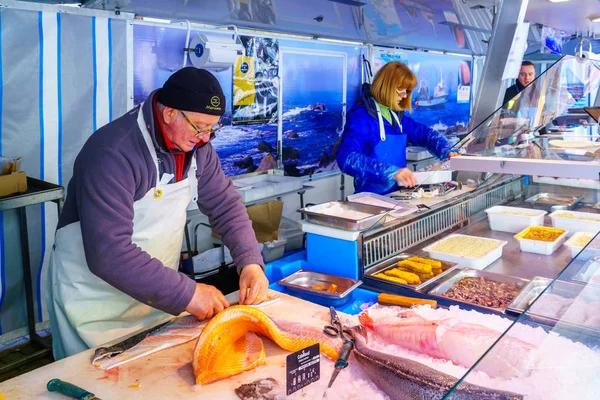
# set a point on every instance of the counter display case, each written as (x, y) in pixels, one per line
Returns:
(551, 350)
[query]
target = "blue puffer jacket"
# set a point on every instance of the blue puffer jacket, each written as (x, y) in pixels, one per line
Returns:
(361, 135)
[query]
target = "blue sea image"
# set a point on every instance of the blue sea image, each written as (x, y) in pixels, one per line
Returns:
(310, 131)
(452, 115)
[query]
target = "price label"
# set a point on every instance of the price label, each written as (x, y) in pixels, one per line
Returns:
(302, 368)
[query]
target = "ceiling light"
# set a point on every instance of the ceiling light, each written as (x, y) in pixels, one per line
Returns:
(595, 19)
(156, 20)
(558, 1)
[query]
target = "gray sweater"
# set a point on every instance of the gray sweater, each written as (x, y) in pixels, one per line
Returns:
(112, 171)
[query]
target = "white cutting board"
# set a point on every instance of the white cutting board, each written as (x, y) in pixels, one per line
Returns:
(168, 374)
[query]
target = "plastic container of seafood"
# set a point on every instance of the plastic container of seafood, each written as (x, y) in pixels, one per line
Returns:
(574, 221)
(513, 219)
(485, 251)
(541, 246)
(324, 289)
(578, 241)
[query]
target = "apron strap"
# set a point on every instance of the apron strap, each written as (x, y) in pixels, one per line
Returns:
(397, 120)
(193, 181)
(380, 119)
(148, 140)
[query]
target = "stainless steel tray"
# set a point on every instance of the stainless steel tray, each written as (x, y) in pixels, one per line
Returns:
(528, 294)
(447, 267)
(567, 290)
(552, 202)
(317, 214)
(443, 287)
(587, 271)
(301, 282)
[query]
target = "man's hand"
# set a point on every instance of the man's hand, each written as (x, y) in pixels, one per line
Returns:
(406, 177)
(207, 302)
(254, 285)
(453, 154)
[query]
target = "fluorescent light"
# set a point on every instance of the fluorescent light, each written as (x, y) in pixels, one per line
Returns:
(158, 20)
(595, 19)
(340, 41)
(558, 1)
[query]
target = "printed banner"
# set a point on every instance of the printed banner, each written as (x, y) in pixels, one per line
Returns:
(256, 82)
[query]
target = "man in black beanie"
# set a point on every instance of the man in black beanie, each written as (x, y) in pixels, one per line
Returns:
(114, 265)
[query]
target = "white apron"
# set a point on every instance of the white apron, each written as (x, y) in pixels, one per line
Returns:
(85, 311)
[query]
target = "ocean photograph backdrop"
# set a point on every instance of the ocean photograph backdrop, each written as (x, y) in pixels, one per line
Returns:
(312, 111)
(442, 98)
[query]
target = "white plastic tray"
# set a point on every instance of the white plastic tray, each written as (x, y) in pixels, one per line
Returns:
(467, 262)
(541, 247)
(401, 209)
(576, 224)
(432, 177)
(264, 186)
(513, 223)
(574, 248)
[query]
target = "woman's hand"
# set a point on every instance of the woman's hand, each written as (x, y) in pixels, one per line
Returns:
(406, 177)
(453, 154)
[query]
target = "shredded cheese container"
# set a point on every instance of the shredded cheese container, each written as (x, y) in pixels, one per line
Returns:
(467, 251)
(578, 241)
(513, 219)
(575, 221)
(545, 247)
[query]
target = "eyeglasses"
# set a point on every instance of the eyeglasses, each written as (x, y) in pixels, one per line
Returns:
(403, 92)
(212, 130)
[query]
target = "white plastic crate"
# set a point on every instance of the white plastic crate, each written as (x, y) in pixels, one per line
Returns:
(290, 231)
(263, 186)
(274, 250)
(502, 219)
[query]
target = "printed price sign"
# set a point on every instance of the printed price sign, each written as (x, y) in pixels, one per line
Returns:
(302, 368)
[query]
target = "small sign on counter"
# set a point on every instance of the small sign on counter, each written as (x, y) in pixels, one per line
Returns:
(302, 368)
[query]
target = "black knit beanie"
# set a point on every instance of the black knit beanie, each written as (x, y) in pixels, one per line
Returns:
(193, 89)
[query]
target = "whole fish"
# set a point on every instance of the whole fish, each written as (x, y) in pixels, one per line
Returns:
(229, 345)
(404, 379)
(459, 342)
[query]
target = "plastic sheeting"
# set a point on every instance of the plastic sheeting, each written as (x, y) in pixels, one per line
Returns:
(62, 76)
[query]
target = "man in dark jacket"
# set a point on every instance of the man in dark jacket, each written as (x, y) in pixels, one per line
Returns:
(526, 76)
(113, 268)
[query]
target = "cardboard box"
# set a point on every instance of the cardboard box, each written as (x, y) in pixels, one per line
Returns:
(13, 183)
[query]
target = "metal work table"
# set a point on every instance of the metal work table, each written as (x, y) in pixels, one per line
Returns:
(37, 192)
